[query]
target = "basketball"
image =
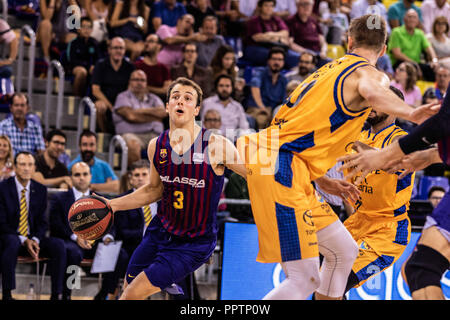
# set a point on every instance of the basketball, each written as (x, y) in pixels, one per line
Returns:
(90, 217)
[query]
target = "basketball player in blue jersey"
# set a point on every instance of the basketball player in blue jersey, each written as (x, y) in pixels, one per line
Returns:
(186, 174)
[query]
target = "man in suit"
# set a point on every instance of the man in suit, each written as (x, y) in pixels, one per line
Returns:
(23, 225)
(75, 247)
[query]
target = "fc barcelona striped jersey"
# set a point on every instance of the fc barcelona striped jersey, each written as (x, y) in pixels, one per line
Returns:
(191, 188)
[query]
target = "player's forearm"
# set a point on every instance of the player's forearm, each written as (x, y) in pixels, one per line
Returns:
(109, 186)
(137, 199)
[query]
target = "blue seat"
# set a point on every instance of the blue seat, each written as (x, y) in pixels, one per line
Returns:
(426, 182)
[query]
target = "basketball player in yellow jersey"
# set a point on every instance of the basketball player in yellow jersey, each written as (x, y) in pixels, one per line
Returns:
(380, 224)
(311, 130)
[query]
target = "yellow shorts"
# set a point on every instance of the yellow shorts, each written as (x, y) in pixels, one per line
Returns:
(381, 242)
(284, 206)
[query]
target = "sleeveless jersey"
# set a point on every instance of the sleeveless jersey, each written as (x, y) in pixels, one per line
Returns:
(314, 123)
(191, 188)
(383, 194)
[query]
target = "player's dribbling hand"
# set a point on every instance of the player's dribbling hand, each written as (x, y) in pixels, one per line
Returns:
(364, 161)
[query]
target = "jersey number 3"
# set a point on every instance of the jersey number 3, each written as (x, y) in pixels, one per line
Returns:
(179, 196)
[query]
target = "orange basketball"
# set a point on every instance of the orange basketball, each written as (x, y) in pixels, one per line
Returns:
(90, 217)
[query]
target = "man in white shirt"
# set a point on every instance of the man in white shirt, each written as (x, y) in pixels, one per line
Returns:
(432, 9)
(233, 117)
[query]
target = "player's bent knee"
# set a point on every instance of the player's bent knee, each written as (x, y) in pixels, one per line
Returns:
(425, 268)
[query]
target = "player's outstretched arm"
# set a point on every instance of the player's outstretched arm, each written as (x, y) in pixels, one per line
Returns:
(373, 86)
(415, 161)
(343, 189)
(224, 152)
(145, 195)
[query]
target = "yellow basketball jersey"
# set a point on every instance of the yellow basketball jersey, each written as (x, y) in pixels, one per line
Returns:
(383, 194)
(314, 123)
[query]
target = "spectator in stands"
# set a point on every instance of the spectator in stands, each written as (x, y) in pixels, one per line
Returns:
(158, 75)
(191, 70)
(264, 31)
(6, 158)
(25, 135)
(408, 42)
(138, 115)
(75, 247)
(306, 66)
(52, 25)
(431, 9)
(82, 54)
(199, 10)
(397, 12)
(167, 12)
(174, 39)
(232, 21)
(103, 177)
(110, 77)
(362, 7)
(435, 195)
(290, 87)
(336, 24)
(285, 8)
(212, 121)
(405, 80)
(439, 40)
(442, 82)
(23, 226)
(429, 96)
(130, 225)
(49, 170)
(207, 48)
(8, 38)
(130, 22)
(233, 116)
(306, 32)
(99, 11)
(384, 64)
(268, 88)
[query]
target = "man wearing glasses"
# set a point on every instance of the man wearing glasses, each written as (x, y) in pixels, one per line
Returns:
(110, 77)
(138, 115)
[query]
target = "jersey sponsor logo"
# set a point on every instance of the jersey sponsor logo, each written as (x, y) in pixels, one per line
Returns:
(307, 217)
(185, 180)
(198, 157)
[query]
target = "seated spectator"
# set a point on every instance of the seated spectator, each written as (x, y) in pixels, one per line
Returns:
(82, 54)
(440, 41)
(233, 116)
(212, 121)
(103, 177)
(110, 77)
(6, 158)
(336, 24)
(268, 88)
(75, 247)
(25, 135)
(285, 8)
(8, 38)
(130, 22)
(174, 39)
(52, 25)
(138, 115)
(98, 11)
(384, 64)
(191, 70)
(362, 7)
(49, 170)
(435, 195)
(249, 8)
(431, 9)
(397, 11)
(23, 227)
(199, 10)
(264, 31)
(290, 87)
(207, 47)
(408, 42)
(306, 66)
(167, 12)
(232, 21)
(158, 75)
(224, 62)
(306, 32)
(405, 80)
(442, 82)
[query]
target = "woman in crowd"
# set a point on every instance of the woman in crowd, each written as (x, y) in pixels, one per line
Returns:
(98, 11)
(439, 40)
(129, 20)
(6, 158)
(405, 80)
